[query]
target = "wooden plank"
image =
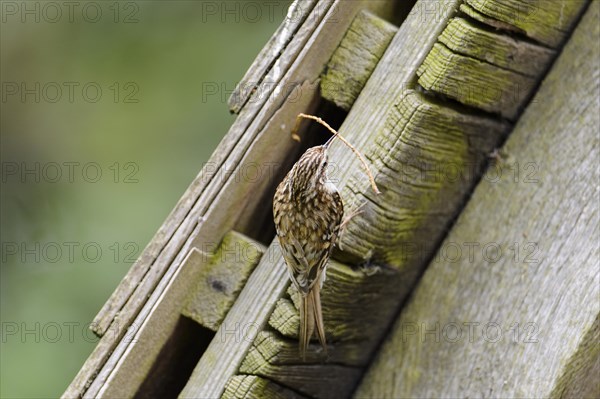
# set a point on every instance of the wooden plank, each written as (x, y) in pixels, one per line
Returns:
(546, 21)
(529, 321)
(269, 55)
(221, 280)
(355, 59)
(109, 382)
(345, 293)
(335, 381)
(270, 348)
(489, 70)
(477, 16)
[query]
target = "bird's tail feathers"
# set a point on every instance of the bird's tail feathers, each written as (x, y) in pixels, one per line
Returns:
(311, 316)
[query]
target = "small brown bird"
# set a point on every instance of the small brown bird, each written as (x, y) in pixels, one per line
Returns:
(308, 212)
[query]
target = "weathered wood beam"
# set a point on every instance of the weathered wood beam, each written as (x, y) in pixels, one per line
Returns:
(475, 83)
(482, 67)
(111, 381)
(355, 59)
(427, 156)
(312, 380)
(221, 279)
(545, 21)
(464, 36)
(271, 348)
(518, 315)
(346, 293)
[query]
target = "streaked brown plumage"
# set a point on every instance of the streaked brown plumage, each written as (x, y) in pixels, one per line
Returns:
(308, 212)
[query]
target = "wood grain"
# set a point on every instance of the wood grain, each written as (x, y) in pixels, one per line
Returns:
(465, 37)
(475, 83)
(548, 22)
(355, 58)
(428, 157)
(533, 315)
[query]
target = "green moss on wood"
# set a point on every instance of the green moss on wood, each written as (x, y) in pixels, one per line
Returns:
(426, 159)
(475, 83)
(477, 16)
(547, 22)
(285, 318)
(463, 37)
(355, 59)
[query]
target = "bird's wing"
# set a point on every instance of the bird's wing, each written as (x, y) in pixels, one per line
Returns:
(329, 236)
(294, 257)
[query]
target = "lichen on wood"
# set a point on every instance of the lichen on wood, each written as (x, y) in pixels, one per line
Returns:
(271, 347)
(427, 158)
(464, 37)
(546, 21)
(474, 82)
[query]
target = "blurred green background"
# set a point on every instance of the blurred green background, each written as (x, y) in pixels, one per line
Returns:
(105, 120)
